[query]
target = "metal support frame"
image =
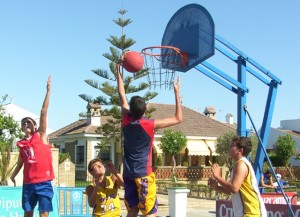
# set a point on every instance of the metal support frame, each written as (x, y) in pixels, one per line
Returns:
(239, 86)
(262, 148)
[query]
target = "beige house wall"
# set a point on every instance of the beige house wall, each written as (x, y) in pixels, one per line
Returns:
(89, 154)
(66, 173)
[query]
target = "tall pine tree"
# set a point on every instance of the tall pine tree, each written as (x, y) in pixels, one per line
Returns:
(107, 84)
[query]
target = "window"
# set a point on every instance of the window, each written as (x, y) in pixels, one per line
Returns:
(103, 153)
(79, 154)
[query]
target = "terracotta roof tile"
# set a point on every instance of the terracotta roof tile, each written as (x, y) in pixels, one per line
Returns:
(292, 132)
(78, 127)
(194, 123)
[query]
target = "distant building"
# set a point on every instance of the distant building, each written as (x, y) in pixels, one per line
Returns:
(210, 111)
(229, 118)
(291, 127)
(81, 138)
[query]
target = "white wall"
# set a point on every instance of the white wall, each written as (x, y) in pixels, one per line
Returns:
(290, 125)
(19, 113)
(275, 133)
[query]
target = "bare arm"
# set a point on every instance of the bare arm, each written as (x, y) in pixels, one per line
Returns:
(262, 182)
(116, 177)
(240, 172)
(17, 170)
(43, 117)
(121, 91)
(166, 122)
(91, 192)
(271, 181)
(265, 185)
(214, 184)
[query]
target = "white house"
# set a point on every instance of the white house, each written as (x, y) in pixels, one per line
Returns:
(81, 138)
(291, 127)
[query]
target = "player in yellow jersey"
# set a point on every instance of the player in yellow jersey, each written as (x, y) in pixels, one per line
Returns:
(103, 192)
(243, 187)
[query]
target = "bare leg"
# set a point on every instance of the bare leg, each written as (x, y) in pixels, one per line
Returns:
(44, 214)
(151, 215)
(134, 211)
(28, 213)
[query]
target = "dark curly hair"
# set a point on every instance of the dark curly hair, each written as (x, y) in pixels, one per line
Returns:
(137, 106)
(244, 143)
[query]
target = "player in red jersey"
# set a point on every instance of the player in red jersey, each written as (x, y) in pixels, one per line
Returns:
(36, 156)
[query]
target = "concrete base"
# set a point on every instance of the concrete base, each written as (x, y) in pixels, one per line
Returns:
(177, 201)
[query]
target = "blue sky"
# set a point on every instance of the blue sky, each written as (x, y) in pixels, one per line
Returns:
(67, 39)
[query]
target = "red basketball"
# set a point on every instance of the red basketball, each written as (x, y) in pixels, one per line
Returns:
(133, 61)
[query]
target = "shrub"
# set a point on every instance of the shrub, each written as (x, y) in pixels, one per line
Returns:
(159, 160)
(63, 156)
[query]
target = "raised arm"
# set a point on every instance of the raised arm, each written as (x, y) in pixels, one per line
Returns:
(43, 116)
(166, 122)
(116, 176)
(121, 91)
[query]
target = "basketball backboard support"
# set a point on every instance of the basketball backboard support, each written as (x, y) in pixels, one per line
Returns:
(192, 30)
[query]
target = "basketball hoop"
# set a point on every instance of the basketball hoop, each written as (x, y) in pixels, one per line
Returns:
(162, 62)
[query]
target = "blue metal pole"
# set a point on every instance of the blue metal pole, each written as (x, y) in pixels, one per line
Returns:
(265, 128)
(260, 147)
(241, 95)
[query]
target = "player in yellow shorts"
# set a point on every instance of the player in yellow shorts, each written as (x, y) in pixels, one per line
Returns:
(138, 132)
(141, 192)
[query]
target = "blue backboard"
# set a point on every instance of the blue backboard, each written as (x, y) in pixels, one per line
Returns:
(192, 30)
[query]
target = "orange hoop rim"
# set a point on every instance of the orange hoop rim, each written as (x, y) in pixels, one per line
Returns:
(177, 51)
(144, 51)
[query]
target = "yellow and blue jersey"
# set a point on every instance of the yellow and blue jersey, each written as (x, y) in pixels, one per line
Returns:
(107, 200)
(248, 202)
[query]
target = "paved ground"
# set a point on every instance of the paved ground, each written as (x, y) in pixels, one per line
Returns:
(195, 207)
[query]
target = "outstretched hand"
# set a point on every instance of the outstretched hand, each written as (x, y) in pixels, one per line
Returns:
(49, 83)
(111, 167)
(177, 85)
(120, 61)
